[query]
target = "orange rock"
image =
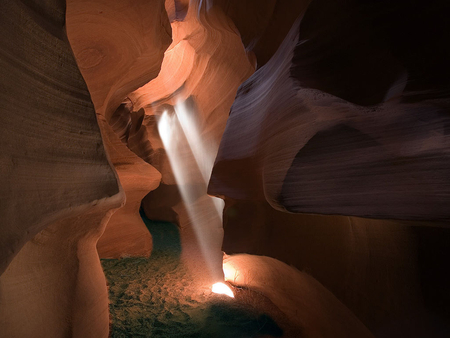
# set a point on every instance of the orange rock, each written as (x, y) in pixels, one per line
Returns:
(116, 59)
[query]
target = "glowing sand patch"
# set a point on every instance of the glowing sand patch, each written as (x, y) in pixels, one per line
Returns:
(222, 289)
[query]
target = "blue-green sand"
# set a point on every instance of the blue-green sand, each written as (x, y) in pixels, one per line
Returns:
(157, 298)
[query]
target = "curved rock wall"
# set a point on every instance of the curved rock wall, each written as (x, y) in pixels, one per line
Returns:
(119, 47)
(304, 301)
(55, 286)
(57, 186)
(349, 117)
(126, 234)
(307, 150)
(347, 114)
(202, 70)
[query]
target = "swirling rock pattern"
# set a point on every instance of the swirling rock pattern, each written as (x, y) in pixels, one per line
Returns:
(57, 187)
(202, 68)
(308, 151)
(348, 119)
(116, 59)
(118, 45)
(126, 234)
(193, 62)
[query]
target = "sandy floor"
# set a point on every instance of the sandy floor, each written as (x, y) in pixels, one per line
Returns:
(157, 297)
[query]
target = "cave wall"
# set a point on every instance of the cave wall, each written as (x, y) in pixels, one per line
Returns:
(349, 118)
(201, 70)
(58, 188)
(346, 116)
(50, 157)
(390, 273)
(310, 148)
(119, 47)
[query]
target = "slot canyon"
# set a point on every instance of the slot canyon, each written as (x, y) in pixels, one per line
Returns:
(224, 168)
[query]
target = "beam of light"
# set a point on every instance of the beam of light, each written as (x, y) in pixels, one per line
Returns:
(203, 156)
(191, 165)
(204, 152)
(222, 289)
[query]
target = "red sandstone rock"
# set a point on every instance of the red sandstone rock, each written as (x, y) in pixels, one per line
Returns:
(202, 68)
(116, 59)
(55, 286)
(118, 46)
(126, 234)
(300, 136)
(57, 187)
(304, 301)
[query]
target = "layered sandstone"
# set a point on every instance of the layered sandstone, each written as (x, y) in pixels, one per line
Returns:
(306, 150)
(58, 188)
(119, 47)
(348, 119)
(200, 74)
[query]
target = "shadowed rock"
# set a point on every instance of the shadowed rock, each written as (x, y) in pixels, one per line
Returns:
(57, 187)
(310, 151)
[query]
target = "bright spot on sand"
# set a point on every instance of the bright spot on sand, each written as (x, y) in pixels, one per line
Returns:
(222, 289)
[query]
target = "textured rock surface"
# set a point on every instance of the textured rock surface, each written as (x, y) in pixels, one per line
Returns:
(372, 266)
(300, 297)
(119, 47)
(57, 186)
(53, 164)
(349, 119)
(390, 274)
(126, 234)
(201, 69)
(55, 287)
(206, 53)
(305, 150)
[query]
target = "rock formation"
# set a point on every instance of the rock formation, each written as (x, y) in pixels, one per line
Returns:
(306, 150)
(118, 46)
(323, 125)
(304, 301)
(116, 59)
(57, 187)
(126, 234)
(202, 70)
(352, 120)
